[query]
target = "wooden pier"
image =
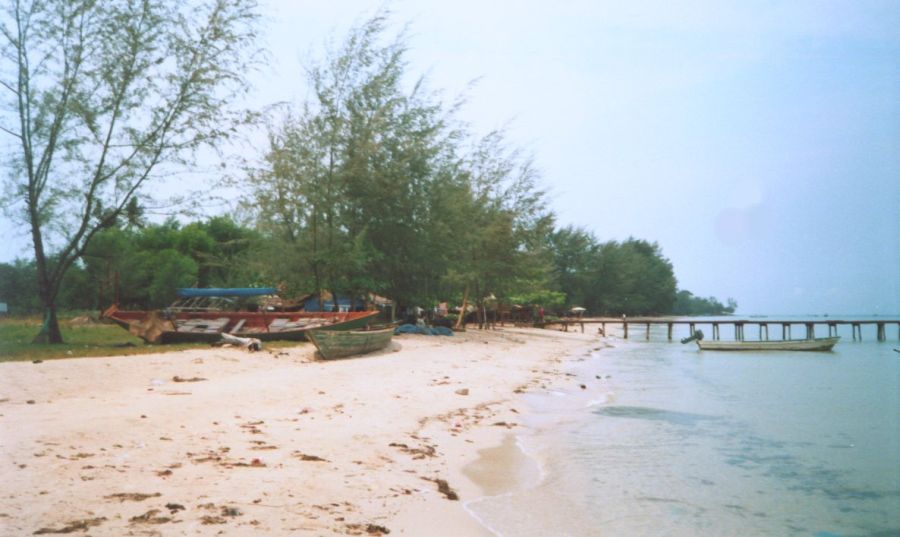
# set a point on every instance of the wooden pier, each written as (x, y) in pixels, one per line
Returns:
(714, 325)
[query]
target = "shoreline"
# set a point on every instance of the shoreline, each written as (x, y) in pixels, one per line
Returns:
(554, 409)
(273, 441)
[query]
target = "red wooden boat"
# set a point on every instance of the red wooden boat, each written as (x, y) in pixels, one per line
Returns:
(168, 326)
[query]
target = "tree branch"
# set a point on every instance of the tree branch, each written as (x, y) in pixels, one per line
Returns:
(12, 133)
(9, 87)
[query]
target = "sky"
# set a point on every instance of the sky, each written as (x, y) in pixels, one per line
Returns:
(757, 142)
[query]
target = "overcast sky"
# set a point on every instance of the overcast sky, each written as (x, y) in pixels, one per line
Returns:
(757, 142)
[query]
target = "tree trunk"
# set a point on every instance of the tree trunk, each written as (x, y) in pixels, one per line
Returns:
(461, 321)
(335, 307)
(50, 329)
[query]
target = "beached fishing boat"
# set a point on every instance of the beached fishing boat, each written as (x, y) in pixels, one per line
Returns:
(339, 344)
(167, 326)
(816, 344)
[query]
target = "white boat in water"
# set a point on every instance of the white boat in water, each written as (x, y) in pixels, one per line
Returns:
(817, 344)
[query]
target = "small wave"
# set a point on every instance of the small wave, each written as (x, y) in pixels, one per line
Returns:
(474, 514)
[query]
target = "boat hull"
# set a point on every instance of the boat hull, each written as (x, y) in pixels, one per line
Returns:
(208, 327)
(340, 344)
(817, 344)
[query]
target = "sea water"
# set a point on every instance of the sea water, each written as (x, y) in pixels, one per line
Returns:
(667, 440)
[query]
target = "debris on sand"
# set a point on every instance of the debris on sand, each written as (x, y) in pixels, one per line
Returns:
(176, 378)
(255, 463)
(224, 511)
(504, 424)
(174, 508)
(417, 453)
(131, 496)
(77, 456)
(251, 344)
(75, 525)
(150, 518)
(371, 529)
(309, 458)
(444, 488)
(251, 427)
(231, 511)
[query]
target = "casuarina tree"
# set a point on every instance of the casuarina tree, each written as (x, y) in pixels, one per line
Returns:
(100, 99)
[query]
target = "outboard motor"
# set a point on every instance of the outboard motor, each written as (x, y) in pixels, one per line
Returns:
(696, 336)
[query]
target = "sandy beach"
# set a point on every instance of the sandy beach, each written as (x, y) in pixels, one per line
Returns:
(221, 441)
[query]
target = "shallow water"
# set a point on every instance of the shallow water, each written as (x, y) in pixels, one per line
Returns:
(673, 441)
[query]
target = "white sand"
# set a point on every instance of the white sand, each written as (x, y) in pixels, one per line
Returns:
(236, 453)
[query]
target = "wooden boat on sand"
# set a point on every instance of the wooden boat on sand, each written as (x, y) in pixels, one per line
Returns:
(167, 326)
(339, 344)
(816, 344)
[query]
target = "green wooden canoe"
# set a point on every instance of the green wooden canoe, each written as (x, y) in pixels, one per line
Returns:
(341, 343)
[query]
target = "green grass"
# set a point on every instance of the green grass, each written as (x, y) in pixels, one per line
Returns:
(81, 340)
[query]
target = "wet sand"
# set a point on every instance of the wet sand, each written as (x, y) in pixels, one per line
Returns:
(217, 440)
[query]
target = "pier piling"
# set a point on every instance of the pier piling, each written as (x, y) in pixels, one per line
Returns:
(715, 324)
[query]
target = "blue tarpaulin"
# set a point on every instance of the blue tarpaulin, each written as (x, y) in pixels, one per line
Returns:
(424, 330)
(192, 292)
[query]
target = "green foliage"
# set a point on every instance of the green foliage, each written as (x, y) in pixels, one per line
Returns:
(144, 266)
(550, 300)
(575, 264)
(155, 260)
(638, 279)
(18, 286)
(688, 304)
(168, 270)
(630, 277)
(366, 189)
(372, 186)
(97, 98)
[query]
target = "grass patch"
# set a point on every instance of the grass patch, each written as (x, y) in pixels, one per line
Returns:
(81, 340)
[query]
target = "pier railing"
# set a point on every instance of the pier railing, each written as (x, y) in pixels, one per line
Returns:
(739, 325)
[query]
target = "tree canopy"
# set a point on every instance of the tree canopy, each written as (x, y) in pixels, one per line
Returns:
(370, 186)
(101, 98)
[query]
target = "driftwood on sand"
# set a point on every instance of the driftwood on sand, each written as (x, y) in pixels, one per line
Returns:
(251, 344)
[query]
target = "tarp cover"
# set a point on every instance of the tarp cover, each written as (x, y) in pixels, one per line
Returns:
(423, 330)
(191, 292)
